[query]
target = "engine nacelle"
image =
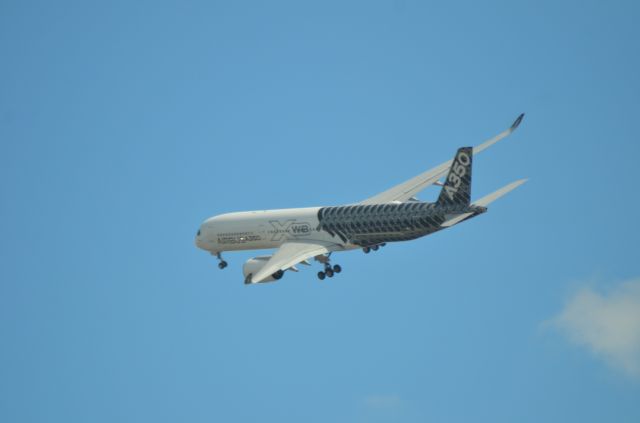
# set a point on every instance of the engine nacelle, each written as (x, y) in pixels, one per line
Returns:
(253, 266)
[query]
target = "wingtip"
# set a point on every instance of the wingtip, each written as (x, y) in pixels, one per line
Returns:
(517, 122)
(520, 182)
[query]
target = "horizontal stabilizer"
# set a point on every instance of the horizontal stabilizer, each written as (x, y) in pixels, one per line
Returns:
(485, 201)
(455, 219)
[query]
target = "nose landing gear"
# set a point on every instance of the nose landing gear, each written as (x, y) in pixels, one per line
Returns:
(222, 263)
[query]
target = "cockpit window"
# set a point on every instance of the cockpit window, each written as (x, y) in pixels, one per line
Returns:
(198, 232)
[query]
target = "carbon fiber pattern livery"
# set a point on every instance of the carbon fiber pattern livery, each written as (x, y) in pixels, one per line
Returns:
(373, 224)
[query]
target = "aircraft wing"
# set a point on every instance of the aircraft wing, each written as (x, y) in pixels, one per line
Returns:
(410, 188)
(291, 253)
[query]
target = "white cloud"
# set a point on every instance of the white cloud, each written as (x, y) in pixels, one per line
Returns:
(607, 324)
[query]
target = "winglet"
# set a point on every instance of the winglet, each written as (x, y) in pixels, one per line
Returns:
(516, 123)
(500, 136)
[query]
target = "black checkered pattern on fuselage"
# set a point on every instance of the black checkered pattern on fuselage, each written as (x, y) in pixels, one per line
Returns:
(377, 223)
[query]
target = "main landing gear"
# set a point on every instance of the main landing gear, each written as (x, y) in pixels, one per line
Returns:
(368, 249)
(329, 271)
(222, 263)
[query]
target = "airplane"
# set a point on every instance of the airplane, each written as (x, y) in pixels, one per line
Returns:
(300, 234)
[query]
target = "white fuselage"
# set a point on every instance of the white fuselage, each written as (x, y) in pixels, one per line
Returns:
(263, 229)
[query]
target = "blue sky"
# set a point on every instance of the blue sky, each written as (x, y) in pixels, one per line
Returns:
(124, 124)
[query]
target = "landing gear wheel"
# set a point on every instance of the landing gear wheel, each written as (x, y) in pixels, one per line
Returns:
(329, 272)
(337, 268)
(375, 248)
(321, 276)
(366, 250)
(221, 263)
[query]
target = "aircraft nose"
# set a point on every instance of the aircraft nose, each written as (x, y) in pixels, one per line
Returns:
(199, 241)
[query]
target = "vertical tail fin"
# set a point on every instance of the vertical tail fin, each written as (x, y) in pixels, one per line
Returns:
(457, 186)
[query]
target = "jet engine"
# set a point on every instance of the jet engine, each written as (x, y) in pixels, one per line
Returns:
(253, 266)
